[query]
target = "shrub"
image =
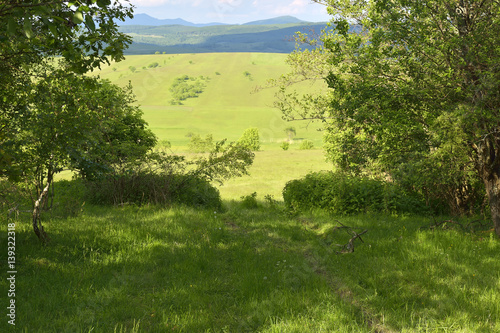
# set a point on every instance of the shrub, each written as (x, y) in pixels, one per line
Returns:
(250, 139)
(160, 189)
(249, 201)
(306, 145)
(185, 87)
(153, 65)
(343, 195)
(285, 145)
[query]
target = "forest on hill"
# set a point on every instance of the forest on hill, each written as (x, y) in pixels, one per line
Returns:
(272, 36)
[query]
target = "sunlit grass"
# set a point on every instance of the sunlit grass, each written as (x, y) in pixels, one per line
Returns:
(147, 269)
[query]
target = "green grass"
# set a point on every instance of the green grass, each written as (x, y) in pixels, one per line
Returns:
(228, 104)
(147, 269)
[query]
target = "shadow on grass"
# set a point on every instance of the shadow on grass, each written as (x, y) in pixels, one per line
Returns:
(113, 269)
(423, 280)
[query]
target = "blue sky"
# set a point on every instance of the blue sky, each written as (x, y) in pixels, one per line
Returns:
(230, 11)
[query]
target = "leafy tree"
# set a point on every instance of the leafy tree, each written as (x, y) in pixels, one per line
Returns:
(79, 123)
(250, 139)
(413, 92)
(33, 104)
(290, 132)
(83, 32)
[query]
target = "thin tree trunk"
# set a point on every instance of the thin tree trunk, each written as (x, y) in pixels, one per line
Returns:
(37, 222)
(493, 190)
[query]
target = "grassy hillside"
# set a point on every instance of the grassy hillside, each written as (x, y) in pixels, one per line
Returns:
(227, 105)
(225, 109)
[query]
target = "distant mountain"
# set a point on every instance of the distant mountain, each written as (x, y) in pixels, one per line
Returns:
(151, 35)
(276, 20)
(277, 38)
(145, 19)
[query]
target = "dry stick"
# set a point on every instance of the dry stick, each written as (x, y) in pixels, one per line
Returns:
(349, 247)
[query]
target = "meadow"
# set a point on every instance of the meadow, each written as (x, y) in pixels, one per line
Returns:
(250, 269)
(252, 266)
(227, 106)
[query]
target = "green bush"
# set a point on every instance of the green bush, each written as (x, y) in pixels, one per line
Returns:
(250, 139)
(185, 87)
(306, 145)
(344, 195)
(285, 145)
(249, 201)
(150, 188)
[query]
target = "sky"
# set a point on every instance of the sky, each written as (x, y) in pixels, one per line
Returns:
(230, 11)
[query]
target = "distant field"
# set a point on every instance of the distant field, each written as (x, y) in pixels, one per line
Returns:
(225, 109)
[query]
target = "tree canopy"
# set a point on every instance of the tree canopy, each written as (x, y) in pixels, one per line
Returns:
(414, 90)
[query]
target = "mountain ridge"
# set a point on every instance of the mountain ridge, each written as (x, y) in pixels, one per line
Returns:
(147, 20)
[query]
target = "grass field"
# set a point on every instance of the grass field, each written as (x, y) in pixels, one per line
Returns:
(148, 269)
(228, 104)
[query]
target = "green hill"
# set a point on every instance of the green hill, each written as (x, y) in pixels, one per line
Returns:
(225, 108)
(271, 38)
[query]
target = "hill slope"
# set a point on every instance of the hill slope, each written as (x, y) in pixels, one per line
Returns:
(226, 107)
(269, 38)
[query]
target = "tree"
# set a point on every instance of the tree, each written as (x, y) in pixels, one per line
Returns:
(413, 90)
(79, 123)
(250, 139)
(83, 32)
(290, 132)
(42, 108)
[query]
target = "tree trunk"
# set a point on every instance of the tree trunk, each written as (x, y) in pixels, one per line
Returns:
(488, 153)
(493, 190)
(37, 222)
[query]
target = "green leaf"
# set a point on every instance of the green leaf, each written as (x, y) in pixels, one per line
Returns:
(77, 17)
(11, 26)
(53, 29)
(90, 22)
(27, 28)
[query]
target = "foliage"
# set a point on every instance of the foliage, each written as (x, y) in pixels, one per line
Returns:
(153, 65)
(250, 139)
(185, 87)
(341, 194)
(306, 144)
(153, 188)
(249, 201)
(166, 179)
(412, 86)
(285, 145)
(199, 145)
(84, 34)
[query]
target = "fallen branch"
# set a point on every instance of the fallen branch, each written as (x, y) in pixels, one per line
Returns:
(349, 247)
